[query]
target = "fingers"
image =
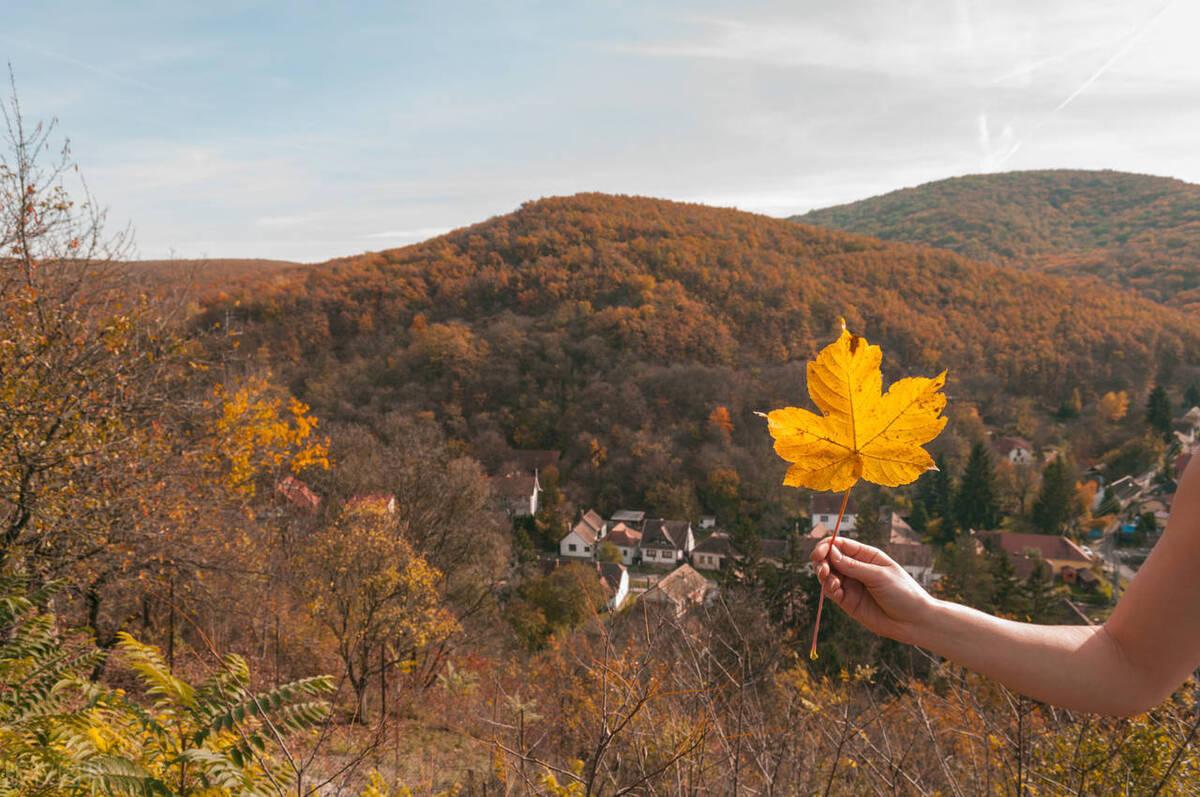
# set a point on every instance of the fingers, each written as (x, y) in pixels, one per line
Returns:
(869, 573)
(861, 551)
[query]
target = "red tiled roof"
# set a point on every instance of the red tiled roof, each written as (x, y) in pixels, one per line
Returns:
(1048, 546)
(623, 535)
(298, 493)
(1006, 445)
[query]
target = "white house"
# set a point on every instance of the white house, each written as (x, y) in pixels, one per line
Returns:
(1016, 450)
(517, 494)
(615, 579)
(714, 552)
(580, 542)
(627, 540)
(666, 543)
(825, 508)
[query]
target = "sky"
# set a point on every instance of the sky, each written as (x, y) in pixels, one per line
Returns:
(305, 131)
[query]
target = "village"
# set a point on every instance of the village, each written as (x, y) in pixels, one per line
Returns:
(680, 563)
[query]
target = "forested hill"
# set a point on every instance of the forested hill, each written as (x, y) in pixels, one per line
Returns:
(1133, 230)
(611, 327)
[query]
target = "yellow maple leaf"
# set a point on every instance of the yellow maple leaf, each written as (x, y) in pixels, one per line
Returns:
(863, 432)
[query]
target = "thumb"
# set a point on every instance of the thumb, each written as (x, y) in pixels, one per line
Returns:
(869, 574)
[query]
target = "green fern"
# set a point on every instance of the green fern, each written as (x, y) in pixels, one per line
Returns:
(62, 735)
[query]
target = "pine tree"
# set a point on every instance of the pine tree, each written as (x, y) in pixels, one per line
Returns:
(976, 504)
(1006, 587)
(1158, 411)
(1055, 504)
(937, 493)
(919, 517)
(1191, 395)
(1038, 593)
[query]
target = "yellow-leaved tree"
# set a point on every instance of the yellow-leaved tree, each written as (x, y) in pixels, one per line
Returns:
(862, 432)
(375, 595)
(258, 430)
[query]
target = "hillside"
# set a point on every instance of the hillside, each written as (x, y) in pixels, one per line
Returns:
(1133, 230)
(200, 277)
(611, 327)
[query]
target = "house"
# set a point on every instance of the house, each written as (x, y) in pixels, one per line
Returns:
(898, 530)
(678, 591)
(714, 552)
(615, 579)
(915, 558)
(1064, 557)
(517, 494)
(1124, 490)
(298, 494)
(627, 540)
(1187, 428)
(825, 507)
(666, 543)
(630, 517)
(1016, 450)
(580, 542)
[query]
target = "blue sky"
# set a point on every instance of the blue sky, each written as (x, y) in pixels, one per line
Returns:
(306, 131)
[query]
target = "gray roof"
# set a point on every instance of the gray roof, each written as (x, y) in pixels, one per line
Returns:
(665, 534)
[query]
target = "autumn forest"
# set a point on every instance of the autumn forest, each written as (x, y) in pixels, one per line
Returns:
(253, 530)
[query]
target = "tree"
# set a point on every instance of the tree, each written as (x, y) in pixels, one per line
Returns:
(375, 595)
(607, 552)
(1191, 395)
(919, 517)
(563, 599)
(1006, 587)
(939, 501)
(1135, 456)
(976, 503)
(1158, 411)
(869, 524)
(1113, 405)
(1038, 593)
(1072, 406)
(1055, 505)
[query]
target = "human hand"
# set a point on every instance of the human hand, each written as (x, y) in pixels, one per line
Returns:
(870, 587)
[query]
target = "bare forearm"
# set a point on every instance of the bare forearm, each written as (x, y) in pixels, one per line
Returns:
(1076, 667)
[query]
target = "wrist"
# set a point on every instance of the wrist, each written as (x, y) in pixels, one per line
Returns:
(924, 628)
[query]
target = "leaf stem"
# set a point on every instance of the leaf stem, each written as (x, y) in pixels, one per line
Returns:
(812, 653)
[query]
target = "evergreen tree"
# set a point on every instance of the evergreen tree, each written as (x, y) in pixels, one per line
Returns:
(1158, 411)
(1055, 504)
(937, 493)
(1071, 407)
(1006, 587)
(1191, 395)
(976, 504)
(919, 517)
(1039, 593)
(868, 524)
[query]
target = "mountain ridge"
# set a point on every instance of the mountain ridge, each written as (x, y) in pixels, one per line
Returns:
(1137, 231)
